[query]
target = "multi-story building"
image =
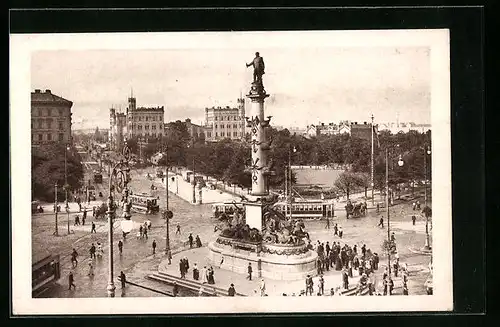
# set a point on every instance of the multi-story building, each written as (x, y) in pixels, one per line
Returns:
(221, 123)
(145, 122)
(397, 127)
(362, 131)
(142, 122)
(50, 118)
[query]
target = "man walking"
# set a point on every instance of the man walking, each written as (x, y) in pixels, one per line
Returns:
(321, 285)
(84, 216)
(74, 262)
(335, 230)
(231, 291)
(249, 270)
(413, 219)
(178, 230)
(123, 280)
(341, 232)
(71, 281)
(190, 238)
(154, 246)
(381, 223)
(262, 287)
(92, 251)
(120, 246)
(93, 228)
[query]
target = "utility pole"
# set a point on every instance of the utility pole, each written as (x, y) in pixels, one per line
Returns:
(387, 207)
(194, 182)
(167, 214)
(66, 181)
(56, 232)
(372, 169)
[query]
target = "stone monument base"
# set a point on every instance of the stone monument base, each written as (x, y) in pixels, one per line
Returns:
(273, 261)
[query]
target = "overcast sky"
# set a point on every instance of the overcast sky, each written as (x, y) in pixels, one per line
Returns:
(307, 85)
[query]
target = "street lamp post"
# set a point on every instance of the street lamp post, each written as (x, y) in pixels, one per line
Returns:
(66, 182)
(372, 183)
(389, 243)
(194, 183)
(56, 232)
(427, 151)
(120, 171)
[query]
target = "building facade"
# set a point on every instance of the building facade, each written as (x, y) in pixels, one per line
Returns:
(397, 127)
(50, 118)
(142, 122)
(221, 123)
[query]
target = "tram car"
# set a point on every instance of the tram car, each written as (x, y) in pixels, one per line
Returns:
(45, 271)
(144, 203)
(226, 209)
(316, 209)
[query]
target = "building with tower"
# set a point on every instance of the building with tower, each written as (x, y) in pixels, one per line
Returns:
(50, 118)
(225, 122)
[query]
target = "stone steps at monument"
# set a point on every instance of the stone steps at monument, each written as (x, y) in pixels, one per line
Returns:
(189, 284)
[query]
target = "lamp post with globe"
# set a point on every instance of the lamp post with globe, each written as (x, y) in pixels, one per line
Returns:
(427, 151)
(118, 181)
(389, 242)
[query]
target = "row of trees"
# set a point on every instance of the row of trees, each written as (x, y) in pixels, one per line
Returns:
(227, 160)
(48, 169)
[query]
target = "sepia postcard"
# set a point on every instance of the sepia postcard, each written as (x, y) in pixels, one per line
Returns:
(231, 172)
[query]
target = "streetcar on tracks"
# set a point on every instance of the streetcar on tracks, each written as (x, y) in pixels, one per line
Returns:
(307, 209)
(45, 271)
(144, 203)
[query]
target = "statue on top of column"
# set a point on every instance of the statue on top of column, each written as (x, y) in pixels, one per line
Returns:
(258, 68)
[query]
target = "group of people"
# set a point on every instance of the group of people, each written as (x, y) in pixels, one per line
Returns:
(197, 241)
(84, 217)
(204, 275)
(142, 233)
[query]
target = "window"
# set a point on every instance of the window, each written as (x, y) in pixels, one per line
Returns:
(222, 126)
(215, 118)
(49, 112)
(209, 134)
(235, 133)
(215, 125)
(49, 137)
(40, 137)
(146, 127)
(60, 125)
(216, 134)
(61, 112)
(139, 127)
(235, 126)
(153, 127)
(40, 123)
(61, 136)
(146, 119)
(49, 122)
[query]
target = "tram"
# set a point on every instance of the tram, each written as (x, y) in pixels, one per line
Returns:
(144, 203)
(45, 271)
(303, 209)
(227, 208)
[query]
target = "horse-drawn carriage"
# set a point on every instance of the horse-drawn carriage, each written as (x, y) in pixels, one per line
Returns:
(356, 210)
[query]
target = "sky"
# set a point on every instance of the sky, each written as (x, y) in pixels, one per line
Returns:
(307, 85)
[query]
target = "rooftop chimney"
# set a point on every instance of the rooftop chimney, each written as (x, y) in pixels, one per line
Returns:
(47, 91)
(37, 91)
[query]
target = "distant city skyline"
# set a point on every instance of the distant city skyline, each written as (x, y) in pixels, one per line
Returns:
(307, 84)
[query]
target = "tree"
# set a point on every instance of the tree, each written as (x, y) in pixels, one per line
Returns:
(347, 181)
(48, 169)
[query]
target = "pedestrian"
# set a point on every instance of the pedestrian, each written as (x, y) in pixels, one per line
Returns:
(203, 275)
(169, 256)
(140, 231)
(93, 228)
(262, 287)
(74, 261)
(91, 269)
(341, 232)
(396, 267)
(345, 279)
(413, 219)
(120, 246)
(93, 212)
(418, 204)
(378, 207)
(391, 285)
(196, 272)
(363, 250)
(321, 285)
(84, 216)
(190, 238)
(182, 268)
(145, 233)
(393, 237)
(71, 281)
(381, 223)
(405, 288)
(231, 291)
(92, 251)
(154, 246)
(319, 266)
(309, 285)
(123, 279)
(221, 261)
(178, 230)
(175, 290)
(385, 285)
(99, 250)
(249, 270)
(198, 241)
(335, 230)
(77, 220)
